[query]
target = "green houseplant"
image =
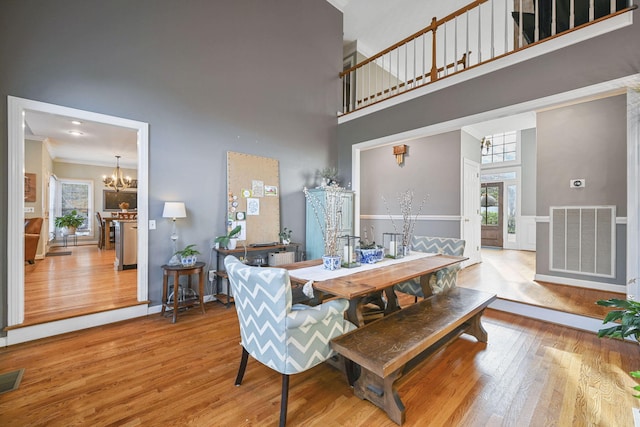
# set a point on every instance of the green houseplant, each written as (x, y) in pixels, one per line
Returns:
(69, 222)
(188, 256)
(628, 319)
(285, 236)
(228, 241)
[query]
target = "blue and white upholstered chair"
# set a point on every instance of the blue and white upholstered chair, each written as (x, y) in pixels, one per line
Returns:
(287, 338)
(441, 280)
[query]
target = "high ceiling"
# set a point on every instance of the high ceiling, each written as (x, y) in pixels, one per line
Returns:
(377, 24)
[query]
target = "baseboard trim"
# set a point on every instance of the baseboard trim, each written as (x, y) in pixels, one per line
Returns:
(581, 283)
(570, 320)
(34, 332)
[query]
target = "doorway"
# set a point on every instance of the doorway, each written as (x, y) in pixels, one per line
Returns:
(491, 211)
(17, 108)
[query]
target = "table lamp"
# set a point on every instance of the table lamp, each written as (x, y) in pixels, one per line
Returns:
(174, 210)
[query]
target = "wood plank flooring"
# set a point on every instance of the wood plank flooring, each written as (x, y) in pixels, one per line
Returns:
(509, 274)
(85, 282)
(150, 372)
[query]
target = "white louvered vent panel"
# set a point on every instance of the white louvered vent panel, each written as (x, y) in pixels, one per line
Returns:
(583, 240)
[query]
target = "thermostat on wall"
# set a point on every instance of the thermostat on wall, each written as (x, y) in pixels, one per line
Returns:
(577, 183)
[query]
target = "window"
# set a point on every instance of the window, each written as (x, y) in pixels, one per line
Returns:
(503, 148)
(76, 195)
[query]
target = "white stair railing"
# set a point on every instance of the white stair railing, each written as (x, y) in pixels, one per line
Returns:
(474, 34)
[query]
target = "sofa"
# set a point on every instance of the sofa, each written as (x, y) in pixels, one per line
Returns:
(32, 229)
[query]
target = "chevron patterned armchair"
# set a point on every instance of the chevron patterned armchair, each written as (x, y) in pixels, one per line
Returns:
(287, 338)
(442, 279)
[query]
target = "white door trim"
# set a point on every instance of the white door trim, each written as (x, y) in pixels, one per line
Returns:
(16, 108)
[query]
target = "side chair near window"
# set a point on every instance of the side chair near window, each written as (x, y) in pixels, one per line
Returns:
(441, 280)
(32, 229)
(287, 338)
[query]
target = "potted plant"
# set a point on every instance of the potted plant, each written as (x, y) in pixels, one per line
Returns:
(285, 236)
(188, 256)
(69, 222)
(329, 176)
(228, 241)
(628, 319)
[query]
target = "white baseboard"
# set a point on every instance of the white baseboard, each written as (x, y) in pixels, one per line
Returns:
(34, 332)
(581, 283)
(547, 315)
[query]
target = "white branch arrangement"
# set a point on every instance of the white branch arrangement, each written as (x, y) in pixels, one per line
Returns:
(328, 214)
(405, 200)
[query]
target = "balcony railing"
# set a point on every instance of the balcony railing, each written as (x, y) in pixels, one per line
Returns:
(482, 31)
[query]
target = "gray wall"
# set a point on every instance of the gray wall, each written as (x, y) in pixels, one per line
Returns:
(431, 169)
(589, 141)
(253, 76)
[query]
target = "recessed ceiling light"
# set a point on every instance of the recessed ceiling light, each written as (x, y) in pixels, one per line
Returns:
(76, 122)
(76, 133)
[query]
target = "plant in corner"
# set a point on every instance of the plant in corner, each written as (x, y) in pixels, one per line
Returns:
(188, 256)
(285, 236)
(228, 239)
(628, 319)
(69, 222)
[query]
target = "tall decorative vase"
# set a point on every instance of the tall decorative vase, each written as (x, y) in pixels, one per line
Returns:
(331, 262)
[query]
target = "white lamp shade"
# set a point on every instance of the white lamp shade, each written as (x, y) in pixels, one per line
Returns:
(174, 210)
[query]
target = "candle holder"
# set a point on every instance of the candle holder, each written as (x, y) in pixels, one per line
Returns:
(392, 243)
(350, 245)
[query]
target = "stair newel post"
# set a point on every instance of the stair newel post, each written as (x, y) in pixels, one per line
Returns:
(434, 67)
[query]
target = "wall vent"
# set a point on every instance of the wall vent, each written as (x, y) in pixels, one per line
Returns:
(583, 240)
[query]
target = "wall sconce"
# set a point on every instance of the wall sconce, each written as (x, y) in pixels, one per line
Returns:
(485, 144)
(399, 151)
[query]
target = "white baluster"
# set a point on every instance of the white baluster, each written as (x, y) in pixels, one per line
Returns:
(536, 31)
(493, 50)
(479, 34)
(466, 47)
(520, 26)
(506, 27)
(554, 18)
(444, 48)
(572, 13)
(455, 45)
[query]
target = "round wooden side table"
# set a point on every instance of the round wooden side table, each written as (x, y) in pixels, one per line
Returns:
(178, 302)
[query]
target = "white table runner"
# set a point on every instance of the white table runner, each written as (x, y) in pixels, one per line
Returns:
(318, 272)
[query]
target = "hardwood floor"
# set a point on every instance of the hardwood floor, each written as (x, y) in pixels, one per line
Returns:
(59, 287)
(150, 372)
(509, 274)
(85, 282)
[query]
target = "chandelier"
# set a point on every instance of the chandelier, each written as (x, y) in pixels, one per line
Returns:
(116, 181)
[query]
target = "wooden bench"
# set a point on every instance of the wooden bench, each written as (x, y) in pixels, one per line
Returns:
(384, 348)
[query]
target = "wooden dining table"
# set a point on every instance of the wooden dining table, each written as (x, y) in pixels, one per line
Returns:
(357, 285)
